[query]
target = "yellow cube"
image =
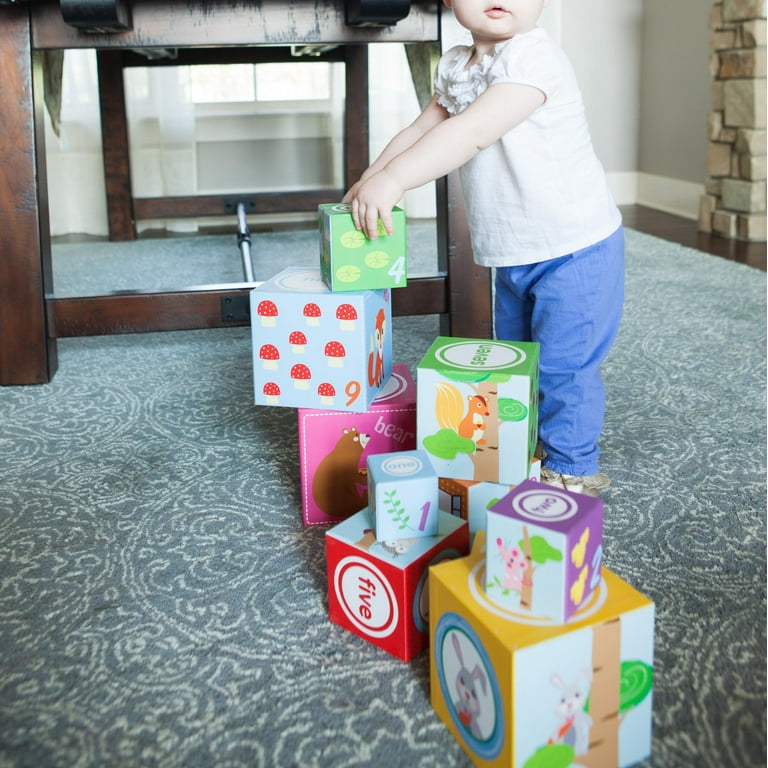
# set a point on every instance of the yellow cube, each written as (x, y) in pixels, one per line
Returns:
(522, 691)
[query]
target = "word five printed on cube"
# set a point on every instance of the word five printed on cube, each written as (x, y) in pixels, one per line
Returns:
(379, 588)
(403, 495)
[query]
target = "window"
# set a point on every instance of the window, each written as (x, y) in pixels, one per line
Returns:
(219, 83)
(216, 83)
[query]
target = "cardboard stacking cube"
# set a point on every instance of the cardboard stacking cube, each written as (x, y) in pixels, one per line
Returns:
(470, 499)
(545, 550)
(349, 261)
(477, 408)
(378, 589)
(524, 692)
(314, 349)
(333, 447)
(402, 494)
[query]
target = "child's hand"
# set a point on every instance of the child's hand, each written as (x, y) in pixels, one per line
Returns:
(373, 199)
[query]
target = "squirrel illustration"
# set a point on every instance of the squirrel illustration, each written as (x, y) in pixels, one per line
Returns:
(376, 355)
(451, 413)
(335, 485)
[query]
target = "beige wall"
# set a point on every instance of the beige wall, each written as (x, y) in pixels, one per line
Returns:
(643, 66)
(675, 92)
(603, 39)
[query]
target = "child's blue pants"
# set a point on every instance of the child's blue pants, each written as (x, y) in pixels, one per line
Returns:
(572, 306)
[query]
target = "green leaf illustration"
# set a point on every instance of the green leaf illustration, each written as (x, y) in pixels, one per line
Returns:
(541, 550)
(511, 409)
(551, 756)
(447, 444)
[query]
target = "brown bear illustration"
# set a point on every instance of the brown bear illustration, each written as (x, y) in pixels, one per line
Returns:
(340, 484)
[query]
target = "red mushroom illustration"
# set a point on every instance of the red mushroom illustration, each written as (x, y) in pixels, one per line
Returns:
(271, 393)
(312, 313)
(327, 393)
(335, 352)
(298, 342)
(267, 312)
(269, 355)
(346, 314)
(301, 375)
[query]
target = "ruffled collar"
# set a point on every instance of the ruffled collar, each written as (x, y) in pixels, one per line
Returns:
(464, 84)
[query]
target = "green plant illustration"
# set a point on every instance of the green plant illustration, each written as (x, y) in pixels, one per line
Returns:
(541, 550)
(635, 683)
(551, 756)
(511, 409)
(447, 444)
(394, 507)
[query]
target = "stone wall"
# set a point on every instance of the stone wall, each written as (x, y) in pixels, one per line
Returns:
(734, 205)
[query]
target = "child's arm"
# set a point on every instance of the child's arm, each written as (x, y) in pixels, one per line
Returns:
(415, 159)
(432, 114)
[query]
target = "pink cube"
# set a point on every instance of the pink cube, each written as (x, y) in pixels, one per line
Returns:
(334, 446)
(378, 589)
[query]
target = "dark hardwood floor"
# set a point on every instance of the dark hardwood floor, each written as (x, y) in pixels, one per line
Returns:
(686, 232)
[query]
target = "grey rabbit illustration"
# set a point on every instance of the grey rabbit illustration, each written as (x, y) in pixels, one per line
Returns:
(468, 704)
(574, 721)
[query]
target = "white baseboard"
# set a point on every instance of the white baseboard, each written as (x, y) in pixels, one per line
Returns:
(660, 192)
(623, 187)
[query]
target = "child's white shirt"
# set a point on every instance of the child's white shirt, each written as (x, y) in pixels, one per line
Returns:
(540, 192)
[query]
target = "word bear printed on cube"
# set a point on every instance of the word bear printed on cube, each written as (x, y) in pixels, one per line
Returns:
(477, 408)
(403, 494)
(545, 550)
(349, 261)
(315, 349)
(333, 447)
(522, 693)
(471, 499)
(378, 588)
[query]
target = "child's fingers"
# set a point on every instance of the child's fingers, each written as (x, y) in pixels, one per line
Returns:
(386, 220)
(371, 223)
(354, 209)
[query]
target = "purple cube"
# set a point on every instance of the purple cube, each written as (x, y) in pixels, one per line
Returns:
(544, 549)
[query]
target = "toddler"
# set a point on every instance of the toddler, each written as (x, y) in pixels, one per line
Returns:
(507, 111)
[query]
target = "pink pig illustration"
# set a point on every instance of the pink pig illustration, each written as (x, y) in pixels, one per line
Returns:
(514, 566)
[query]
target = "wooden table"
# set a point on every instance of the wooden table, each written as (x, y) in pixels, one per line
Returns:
(32, 318)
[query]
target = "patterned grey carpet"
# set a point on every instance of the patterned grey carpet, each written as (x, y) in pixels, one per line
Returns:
(162, 605)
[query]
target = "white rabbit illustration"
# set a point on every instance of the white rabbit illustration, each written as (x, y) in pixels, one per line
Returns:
(468, 703)
(574, 721)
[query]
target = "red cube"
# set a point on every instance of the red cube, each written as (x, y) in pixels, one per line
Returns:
(378, 589)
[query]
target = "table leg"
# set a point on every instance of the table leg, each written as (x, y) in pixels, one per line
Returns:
(27, 355)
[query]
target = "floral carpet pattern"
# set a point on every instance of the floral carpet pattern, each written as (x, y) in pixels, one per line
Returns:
(161, 603)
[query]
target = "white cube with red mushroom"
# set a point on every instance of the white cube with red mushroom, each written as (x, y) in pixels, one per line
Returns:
(316, 349)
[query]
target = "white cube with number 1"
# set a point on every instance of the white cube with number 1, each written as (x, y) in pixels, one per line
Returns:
(403, 495)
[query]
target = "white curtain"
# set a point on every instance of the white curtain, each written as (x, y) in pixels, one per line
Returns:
(162, 148)
(76, 193)
(161, 127)
(393, 105)
(161, 120)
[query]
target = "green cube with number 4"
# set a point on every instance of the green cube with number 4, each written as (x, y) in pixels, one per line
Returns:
(349, 261)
